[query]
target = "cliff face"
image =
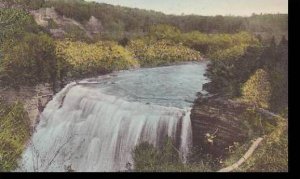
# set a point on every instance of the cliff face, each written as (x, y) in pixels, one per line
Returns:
(64, 25)
(29, 96)
(217, 123)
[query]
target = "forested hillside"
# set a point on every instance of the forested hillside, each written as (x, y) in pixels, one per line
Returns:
(118, 22)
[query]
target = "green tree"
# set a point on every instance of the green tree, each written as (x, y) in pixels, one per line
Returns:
(29, 61)
(162, 159)
(164, 31)
(257, 90)
(14, 23)
(279, 77)
(77, 59)
(232, 67)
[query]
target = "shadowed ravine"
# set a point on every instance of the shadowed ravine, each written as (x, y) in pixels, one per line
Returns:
(95, 124)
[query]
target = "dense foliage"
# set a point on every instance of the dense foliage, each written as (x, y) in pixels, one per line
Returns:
(162, 52)
(270, 156)
(166, 158)
(138, 21)
(148, 158)
(119, 22)
(257, 90)
(25, 4)
(29, 61)
(14, 133)
(14, 23)
(228, 73)
(82, 59)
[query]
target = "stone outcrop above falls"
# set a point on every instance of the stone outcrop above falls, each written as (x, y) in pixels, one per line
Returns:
(217, 123)
(33, 98)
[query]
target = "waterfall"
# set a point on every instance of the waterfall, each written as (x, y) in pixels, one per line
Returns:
(95, 124)
(92, 131)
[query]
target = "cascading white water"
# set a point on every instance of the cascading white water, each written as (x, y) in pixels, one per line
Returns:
(89, 129)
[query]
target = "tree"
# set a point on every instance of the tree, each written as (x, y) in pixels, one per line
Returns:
(165, 158)
(14, 23)
(163, 31)
(257, 90)
(29, 61)
(279, 76)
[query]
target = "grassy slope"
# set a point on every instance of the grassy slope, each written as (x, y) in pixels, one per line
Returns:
(270, 156)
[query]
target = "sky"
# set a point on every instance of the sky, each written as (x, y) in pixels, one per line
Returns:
(206, 7)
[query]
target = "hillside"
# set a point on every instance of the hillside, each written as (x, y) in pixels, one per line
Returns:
(116, 22)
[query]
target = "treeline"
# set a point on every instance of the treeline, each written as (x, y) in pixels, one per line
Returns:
(78, 59)
(31, 56)
(258, 75)
(27, 51)
(130, 19)
(119, 22)
(161, 52)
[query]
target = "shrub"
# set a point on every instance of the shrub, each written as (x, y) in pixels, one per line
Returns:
(91, 59)
(165, 158)
(14, 132)
(257, 89)
(29, 61)
(162, 52)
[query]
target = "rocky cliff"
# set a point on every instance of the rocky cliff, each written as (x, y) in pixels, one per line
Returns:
(217, 124)
(32, 98)
(59, 26)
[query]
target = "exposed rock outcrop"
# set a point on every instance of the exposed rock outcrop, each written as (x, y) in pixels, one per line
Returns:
(218, 122)
(44, 16)
(94, 26)
(33, 98)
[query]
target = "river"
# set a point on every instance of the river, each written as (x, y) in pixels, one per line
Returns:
(94, 124)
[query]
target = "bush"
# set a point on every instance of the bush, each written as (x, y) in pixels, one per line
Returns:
(154, 53)
(270, 156)
(257, 90)
(29, 61)
(148, 158)
(229, 69)
(79, 58)
(14, 23)
(166, 158)
(14, 133)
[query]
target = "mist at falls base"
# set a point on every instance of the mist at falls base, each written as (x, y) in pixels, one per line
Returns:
(93, 125)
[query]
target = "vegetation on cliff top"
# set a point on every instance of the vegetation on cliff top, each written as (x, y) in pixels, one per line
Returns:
(97, 58)
(229, 74)
(257, 90)
(163, 52)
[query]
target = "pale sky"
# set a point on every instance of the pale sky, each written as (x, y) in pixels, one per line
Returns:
(206, 7)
